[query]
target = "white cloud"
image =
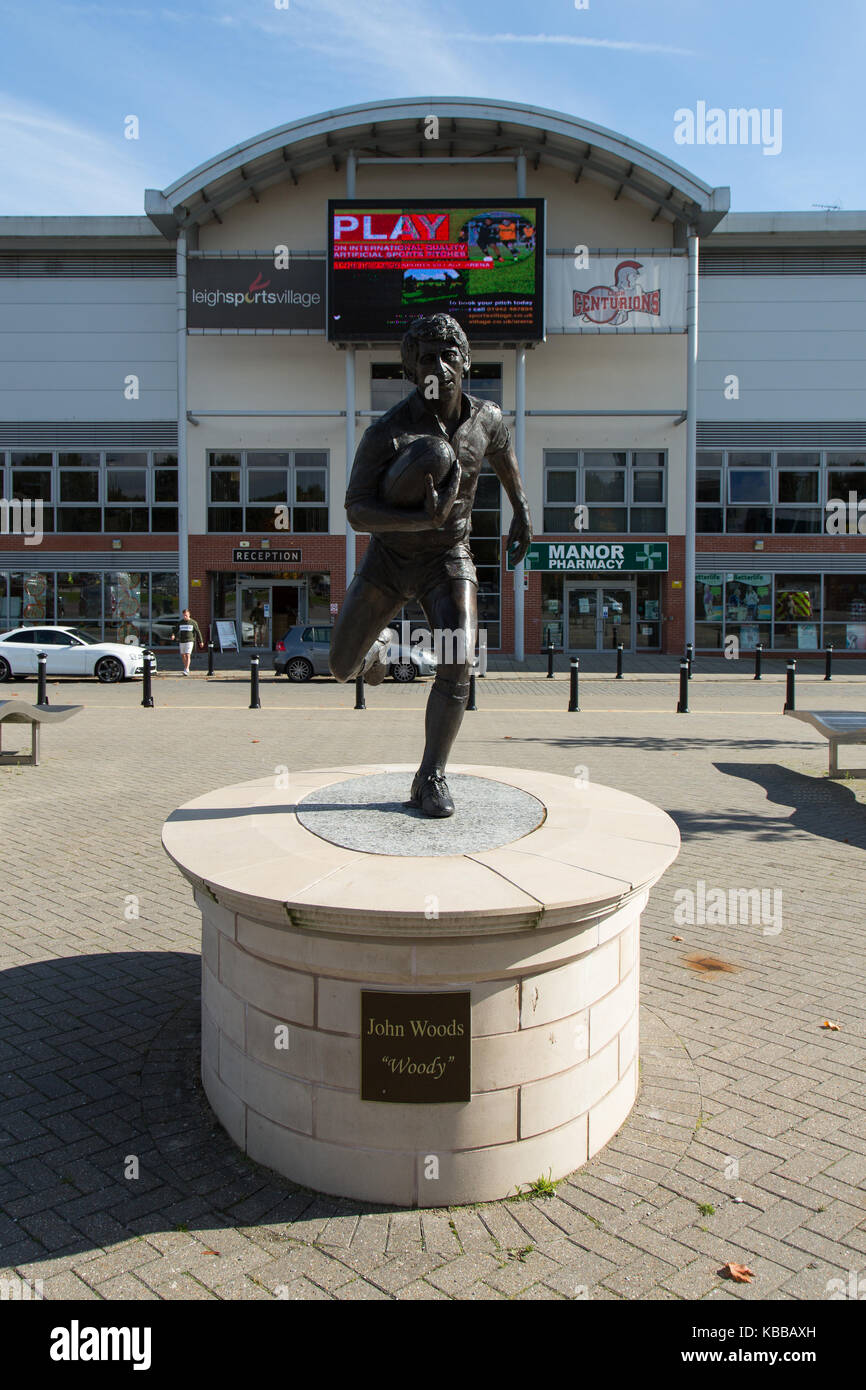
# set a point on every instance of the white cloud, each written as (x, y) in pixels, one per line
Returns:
(382, 37)
(574, 41)
(51, 166)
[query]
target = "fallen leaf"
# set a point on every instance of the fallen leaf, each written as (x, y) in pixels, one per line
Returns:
(255, 740)
(676, 938)
(834, 1027)
(211, 1252)
(741, 1274)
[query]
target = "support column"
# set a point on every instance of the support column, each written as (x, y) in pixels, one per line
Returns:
(351, 169)
(350, 454)
(691, 432)
(520, 442)
(520, 451)
(182, 466)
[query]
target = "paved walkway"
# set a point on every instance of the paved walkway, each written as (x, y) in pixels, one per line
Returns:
(748, 1142)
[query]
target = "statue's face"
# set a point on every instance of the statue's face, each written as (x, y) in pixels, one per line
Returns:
(441, 360)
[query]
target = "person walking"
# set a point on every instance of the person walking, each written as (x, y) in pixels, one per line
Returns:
(187, 634)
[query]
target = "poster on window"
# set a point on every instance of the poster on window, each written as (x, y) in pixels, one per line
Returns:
(747, 598)
(855, 637)
(807, 637)
(709, 597)
(793, 604)
(750, 636)
(35, 596)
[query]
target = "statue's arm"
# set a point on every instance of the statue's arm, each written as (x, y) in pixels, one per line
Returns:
(367, 512)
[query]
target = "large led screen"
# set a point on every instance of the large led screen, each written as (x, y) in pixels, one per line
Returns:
(482, 261)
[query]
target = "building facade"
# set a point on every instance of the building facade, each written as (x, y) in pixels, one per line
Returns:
(174, 453)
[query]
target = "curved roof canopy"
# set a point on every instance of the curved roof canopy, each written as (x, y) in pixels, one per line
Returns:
(469, 128)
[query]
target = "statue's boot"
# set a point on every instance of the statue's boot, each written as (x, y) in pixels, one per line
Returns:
(430, 794)
(375, 667)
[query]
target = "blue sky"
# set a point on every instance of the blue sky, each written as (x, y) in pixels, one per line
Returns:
(205, 74)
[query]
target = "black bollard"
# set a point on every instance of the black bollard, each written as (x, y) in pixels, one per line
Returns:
(828, 661)
(573, 703)
(360, 702)
(147, 678)
(210, 658)
(683, 702)
(42, 692)
(255, 702)
(619, 662)
(759, 652)
(690, 656)
(790, 699)
(470, 703)
(550, 650)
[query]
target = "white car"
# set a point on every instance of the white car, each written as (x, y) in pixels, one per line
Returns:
(70, 652)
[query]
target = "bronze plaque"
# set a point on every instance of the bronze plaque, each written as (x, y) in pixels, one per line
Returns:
(415, 1048)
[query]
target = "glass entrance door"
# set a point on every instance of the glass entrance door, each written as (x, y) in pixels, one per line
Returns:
(582, 618)
(255, 608)
(599, 617)
(288, 606)
(267, 611)
(616, 618)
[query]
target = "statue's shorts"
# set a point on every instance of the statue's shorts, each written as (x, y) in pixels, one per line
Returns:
(406, 578)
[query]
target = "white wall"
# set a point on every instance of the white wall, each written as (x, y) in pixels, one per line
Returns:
(797, 344)
(66, 346)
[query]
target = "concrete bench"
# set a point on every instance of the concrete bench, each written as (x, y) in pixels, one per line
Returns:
(13, 712)
(838, 726)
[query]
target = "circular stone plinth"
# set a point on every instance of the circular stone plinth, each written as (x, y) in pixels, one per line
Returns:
(370, 814)
(309, 944)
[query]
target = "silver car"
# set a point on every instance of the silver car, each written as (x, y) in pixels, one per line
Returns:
(303, 653)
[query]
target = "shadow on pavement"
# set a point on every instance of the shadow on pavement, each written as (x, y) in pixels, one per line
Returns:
(828, 810)
(658, 743)
(99, 1063)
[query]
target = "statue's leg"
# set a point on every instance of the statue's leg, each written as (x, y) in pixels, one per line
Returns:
(452, 611)
(366, 609)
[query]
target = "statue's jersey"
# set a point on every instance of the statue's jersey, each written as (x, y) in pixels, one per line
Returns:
(481, 431)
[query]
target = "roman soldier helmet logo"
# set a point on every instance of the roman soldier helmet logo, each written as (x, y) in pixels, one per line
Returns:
(612, 304)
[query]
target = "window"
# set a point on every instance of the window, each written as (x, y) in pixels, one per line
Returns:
(846, 473)
(32, 481)
(485, 543)
(485, 381)
(745, 492)
(117, 606)
(98, 491)
(246, 488)
(623, 491)
(797, 612)
(845, 611)
(388, 386)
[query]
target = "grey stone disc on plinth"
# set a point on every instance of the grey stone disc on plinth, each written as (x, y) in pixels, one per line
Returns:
(370, 814)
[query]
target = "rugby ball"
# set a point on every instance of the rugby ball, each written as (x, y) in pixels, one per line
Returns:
(404, 483)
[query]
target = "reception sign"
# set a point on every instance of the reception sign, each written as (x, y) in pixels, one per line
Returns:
(620, 293)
